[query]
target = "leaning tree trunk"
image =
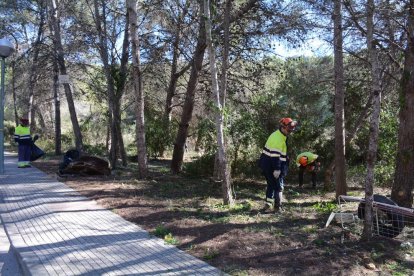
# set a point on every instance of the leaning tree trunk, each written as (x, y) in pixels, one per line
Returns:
(340, 170)
(223, 167)
(374, 125)
(179, 146)
(404, 171)
(139, 93)
(57, 42)
(174, 74)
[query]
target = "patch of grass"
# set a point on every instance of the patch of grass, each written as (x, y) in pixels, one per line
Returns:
(325, 207)
(277, 232)
(375, 255)
(236, 272)
(160, 231)
(241, 207)
(169, 239)
(398, 269)
(293, 193)
(310, 229)
(210, 254)
(319, 242)
(224, 219)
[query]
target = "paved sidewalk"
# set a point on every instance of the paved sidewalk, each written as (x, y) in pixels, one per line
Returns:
(56, 231)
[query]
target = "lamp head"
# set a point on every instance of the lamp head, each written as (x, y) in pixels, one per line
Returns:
(6, 48)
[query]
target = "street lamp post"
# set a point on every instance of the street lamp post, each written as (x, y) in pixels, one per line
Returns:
(6, 49)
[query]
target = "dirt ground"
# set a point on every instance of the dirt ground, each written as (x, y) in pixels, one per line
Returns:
(242, 240)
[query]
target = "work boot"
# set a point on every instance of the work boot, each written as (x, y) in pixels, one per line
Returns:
(278, 209)
(267, 206)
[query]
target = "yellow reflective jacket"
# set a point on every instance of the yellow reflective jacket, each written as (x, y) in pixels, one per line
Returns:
(22, 135)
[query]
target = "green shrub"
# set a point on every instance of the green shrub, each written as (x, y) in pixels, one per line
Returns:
(203, 166)
(99, 149)
(160, 231)
(325, 207)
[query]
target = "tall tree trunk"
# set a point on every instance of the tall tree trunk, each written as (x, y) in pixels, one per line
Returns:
(56, 99)
(224, 68)
(13, 73)
(137, 79)
(223, 168)
(179, 145)
(120, 88)
(57, 42)
(349, 138)
(175, 75)
(340, 170)
(33, 73)
(375, 119)
(404, 171)
(110, 85)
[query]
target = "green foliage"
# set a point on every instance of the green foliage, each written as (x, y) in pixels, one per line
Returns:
(246, 167)
(325, 207)
(170, 239)
(210, 254)
(98, 149)
(206, 135)
(159, 134)
(203, 166)
(160, 231)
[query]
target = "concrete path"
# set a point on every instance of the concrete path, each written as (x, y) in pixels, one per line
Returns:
(53, 230)
(8, 262)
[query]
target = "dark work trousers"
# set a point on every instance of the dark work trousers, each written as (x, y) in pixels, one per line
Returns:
(24, 154)
(302, 170)
(274, 187)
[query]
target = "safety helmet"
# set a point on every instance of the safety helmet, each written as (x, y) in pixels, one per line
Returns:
(303, 160)
(288, 123)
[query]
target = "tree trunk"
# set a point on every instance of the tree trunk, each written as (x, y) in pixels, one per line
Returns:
(137, 79)
(123, 72)
(375, 119)
(349, 137)
(175, 74)
(340, 170)
(13, 73)
(56, 99)
(223, 168)
(33, 72)
(110, 85)
(178, 153)
(57, 42)
(404, 171)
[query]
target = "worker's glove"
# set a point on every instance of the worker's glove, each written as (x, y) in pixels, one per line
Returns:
(276, 173)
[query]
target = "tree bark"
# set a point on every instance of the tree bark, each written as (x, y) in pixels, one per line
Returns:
(223, 168)
(340, 170)
(120, 89)
(33, 73)
(179, 146)
(57, 42)
(375, 119)
(137, 79)
(56, 99)
(110, 85)
(404, 171)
